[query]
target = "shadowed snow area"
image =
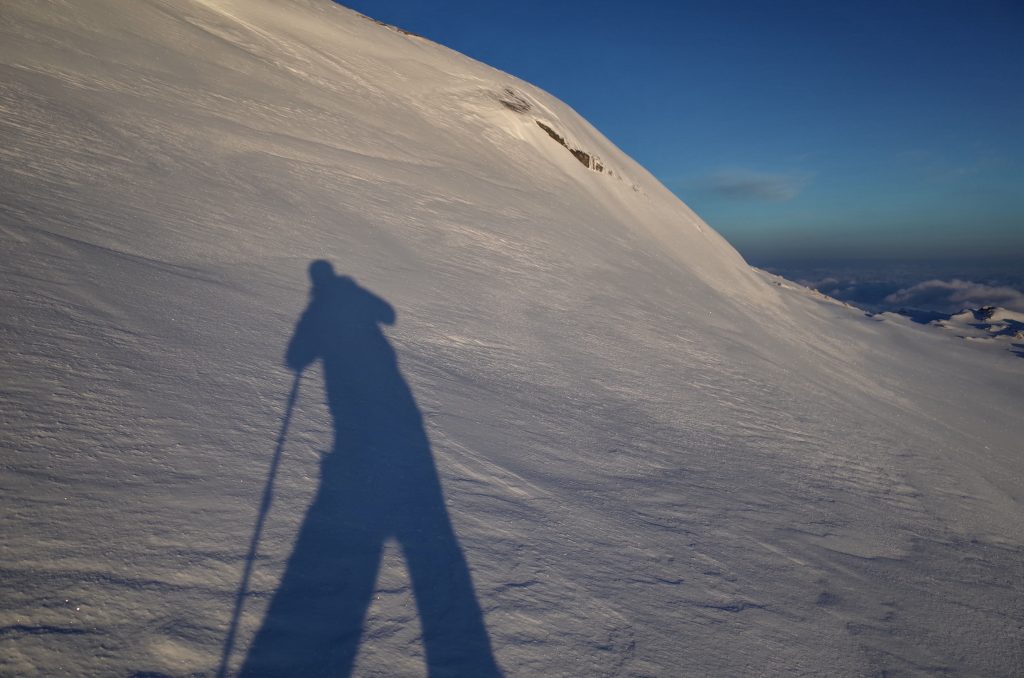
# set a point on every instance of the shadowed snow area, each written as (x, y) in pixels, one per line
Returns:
(548, 422)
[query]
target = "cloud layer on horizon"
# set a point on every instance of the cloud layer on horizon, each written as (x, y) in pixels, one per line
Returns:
(940, 287)
(951, 296)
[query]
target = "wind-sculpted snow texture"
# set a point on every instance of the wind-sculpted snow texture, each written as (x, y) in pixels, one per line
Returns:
(552, 411)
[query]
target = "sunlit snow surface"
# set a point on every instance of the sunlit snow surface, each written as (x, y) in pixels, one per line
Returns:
(656, 460)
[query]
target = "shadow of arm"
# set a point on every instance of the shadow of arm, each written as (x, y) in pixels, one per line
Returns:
(383, 312)
(303, 348)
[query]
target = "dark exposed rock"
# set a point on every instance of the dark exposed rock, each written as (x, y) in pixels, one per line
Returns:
(553, 134)
(513, 101)
(584, 157)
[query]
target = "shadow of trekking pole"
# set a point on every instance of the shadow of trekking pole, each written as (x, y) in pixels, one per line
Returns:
(250, 557)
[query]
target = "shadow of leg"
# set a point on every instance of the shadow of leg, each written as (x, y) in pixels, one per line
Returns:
(314, 622)
(454, 636)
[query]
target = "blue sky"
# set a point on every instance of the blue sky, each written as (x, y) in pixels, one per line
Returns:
(799, 130)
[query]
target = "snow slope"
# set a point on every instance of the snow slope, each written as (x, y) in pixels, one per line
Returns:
(656, 460)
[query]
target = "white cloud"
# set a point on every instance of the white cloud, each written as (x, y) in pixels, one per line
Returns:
(950, 296)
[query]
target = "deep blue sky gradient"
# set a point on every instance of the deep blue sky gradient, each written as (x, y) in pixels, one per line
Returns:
(799, 130)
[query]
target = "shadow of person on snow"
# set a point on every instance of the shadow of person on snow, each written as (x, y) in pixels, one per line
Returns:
(377, 483)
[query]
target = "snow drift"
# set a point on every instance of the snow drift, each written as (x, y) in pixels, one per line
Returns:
(652, 459)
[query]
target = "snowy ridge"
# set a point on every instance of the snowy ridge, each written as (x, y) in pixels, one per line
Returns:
(999, 327)
(654, 459)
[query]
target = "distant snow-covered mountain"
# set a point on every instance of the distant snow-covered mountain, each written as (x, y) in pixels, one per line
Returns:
(989, 324)
(531, 415)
